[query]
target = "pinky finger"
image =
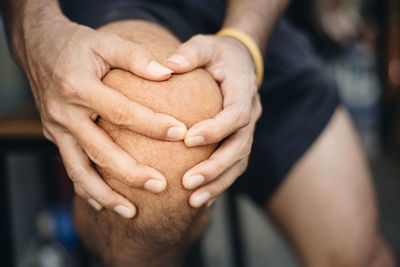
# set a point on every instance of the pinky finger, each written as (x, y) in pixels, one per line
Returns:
(88, 183)
(212, 190)
(83, 194)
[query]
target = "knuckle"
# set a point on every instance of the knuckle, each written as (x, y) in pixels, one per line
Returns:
(129, 179)
(54, 111)
(79, 191)
(135, 51)
(197, 41)
(139, 49)
(214, 131)
(97, 154)
(105, 198)
(120, 114)
(74, 173)
(154, 126)
(69, 87)
(102, 199)
(218, 167)
(198, 38)
(244, 116)
(244, 150)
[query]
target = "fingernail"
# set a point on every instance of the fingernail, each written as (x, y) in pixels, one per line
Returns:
(154, 186)
(194, 181)
(176, 133)
(94, 204)
(158, 69)
(195, 141)
(200, 199)
(210, 202)
(124, 211)
(178, 59)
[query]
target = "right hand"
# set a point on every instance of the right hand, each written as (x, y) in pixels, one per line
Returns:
(65, 63)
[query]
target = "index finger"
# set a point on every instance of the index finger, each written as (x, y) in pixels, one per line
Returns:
(118, 109)
(236, 114)
(101, 149)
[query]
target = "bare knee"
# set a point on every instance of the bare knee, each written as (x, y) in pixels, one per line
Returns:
(327, 203)
(166, 220)
(165, 224)
(369, 253)
(159, 236)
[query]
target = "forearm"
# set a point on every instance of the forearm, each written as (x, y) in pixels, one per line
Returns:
(256, 17)
(26, 19)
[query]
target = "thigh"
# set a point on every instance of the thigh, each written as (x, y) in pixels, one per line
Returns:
(326, 205)
(298, 100)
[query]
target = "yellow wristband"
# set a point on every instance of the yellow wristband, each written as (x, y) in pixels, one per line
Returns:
(251, 46)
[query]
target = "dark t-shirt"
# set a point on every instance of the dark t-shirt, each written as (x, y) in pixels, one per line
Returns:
(200, 16)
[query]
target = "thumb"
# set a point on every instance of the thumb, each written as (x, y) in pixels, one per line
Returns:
(194, 53)
(132, 57)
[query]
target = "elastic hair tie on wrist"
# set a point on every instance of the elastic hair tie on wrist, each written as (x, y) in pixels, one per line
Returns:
(251, 46)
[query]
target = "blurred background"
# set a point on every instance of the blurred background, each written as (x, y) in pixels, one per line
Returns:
(359, 42)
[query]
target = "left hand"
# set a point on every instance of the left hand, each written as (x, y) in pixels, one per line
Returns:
(231, 64)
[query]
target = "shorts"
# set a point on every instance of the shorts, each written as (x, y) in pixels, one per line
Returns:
(297, 95)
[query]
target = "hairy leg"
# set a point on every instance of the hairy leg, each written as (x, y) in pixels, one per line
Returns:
(326, 205)
(165, 224)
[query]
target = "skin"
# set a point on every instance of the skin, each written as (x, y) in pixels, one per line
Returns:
(326, 205)
(319, 180)
(65, 63)
(68, 110)
(165, 225)
(237, 79)
(300, 204)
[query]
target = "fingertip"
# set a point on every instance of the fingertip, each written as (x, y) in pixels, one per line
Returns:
(175, 61)
(177, 133)
(199, 199)
(96, 205)
(156, 69)
(156, 182)
(192, 141)
(193, 181)
(155, 186)
(126, 212)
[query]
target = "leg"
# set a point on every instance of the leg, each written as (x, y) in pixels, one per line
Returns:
(326, 205)
(165, 225)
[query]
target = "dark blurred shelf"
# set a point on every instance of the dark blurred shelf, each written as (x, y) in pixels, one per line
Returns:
(21, 122)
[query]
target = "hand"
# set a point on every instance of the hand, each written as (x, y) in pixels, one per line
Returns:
(231, 64)
(65, 63)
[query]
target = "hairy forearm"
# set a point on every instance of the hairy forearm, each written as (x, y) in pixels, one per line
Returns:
(256, 17)
(26, 19)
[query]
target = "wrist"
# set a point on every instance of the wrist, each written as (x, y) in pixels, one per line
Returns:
(251, 46)
(256, 18)
(252, 25)
(30, 22)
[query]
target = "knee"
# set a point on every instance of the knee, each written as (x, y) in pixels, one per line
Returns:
(166, 220)
(378, 254)
(165, 226)
(371, 252)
